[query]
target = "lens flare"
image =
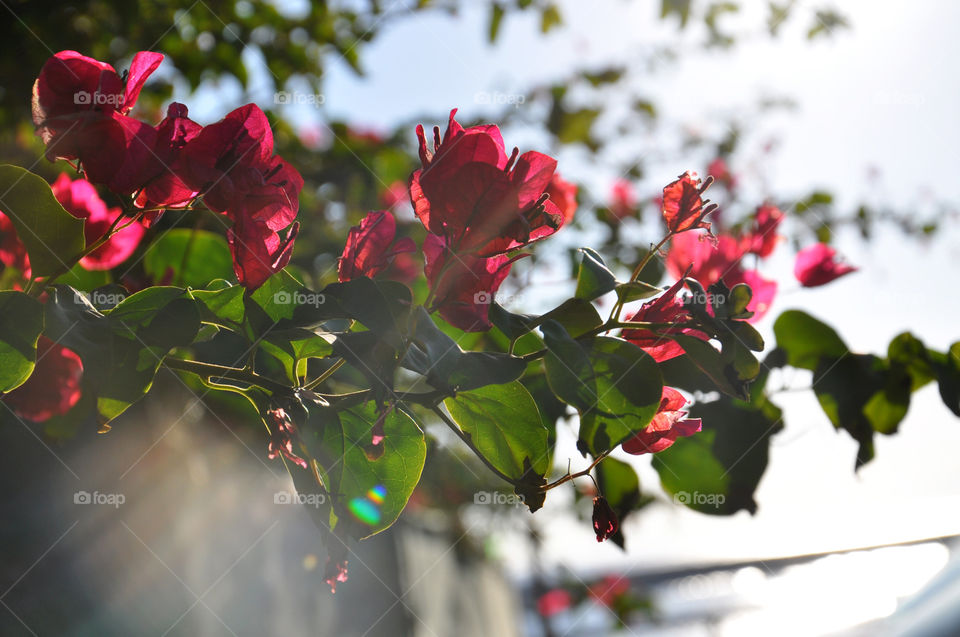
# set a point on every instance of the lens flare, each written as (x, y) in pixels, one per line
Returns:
(367, 509)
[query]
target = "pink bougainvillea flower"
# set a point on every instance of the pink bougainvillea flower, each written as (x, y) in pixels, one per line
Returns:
(79, 110)
(720, 171)
(564, 196)
(160, 184)
(605, 523)
(404, 267)
(231, 163)
(763, 237)
(463, 286)
(683, 205)
(668, 424)
(666, 308)
(335, 572)
(819, 265)
(371, 246)
(53, 388)
(395, 194)
(80, 198)
(224, 161)
(13, 254)
(609, 589)
(282, 435)
(476, 197)
(258, 252)
(553, 602)
(711, 261)
(275, 199)
(623, 199)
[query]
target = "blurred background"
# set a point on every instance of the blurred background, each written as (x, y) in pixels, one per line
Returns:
(842, 114)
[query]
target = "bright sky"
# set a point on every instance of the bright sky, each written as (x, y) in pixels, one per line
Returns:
(877, 96)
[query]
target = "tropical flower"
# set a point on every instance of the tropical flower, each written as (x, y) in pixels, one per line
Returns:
(53, 388)
(669, 423)
(683, 206)
(463, 286)
(819, 265)
(80, 198)
(371, 246)
(666, 308)
(479, 200)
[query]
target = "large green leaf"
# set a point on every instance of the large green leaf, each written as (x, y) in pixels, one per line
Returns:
(806, 340)
(366, 488)
(194, 258)
(122, 349)
(615, 386)
(717, 470)
(51, 234)
(504, 426)
(21, 321)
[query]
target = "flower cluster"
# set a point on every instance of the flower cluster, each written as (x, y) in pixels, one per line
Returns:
(478, 204)
(711, 259)
(80, 110)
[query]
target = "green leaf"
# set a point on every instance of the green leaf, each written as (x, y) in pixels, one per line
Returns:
(21, 321)
(861, 394)
(731, 370)
(717, 470)
(438, 357)
(221, 304)
(512, 325)
(294, 346)
(806, 340)
(362, 489)
(504, 425)
(635, 291)
(195, 257)
(550, 18)
(397, 469)
(909, 352)
(947, 368)
(615, 386)
(79, 278)
(496, 19)
(51, 234)
(577, 316)
(121, 350)
(594, 279)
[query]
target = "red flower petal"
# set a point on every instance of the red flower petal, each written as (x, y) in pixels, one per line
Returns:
(144, 63)
(683, 208)
(818, 265)
(53, 388)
